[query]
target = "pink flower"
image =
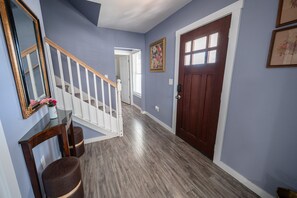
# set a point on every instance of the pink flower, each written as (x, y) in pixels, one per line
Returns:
(33, 102)
(51, 102)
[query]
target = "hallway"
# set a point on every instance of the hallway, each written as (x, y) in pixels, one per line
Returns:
(149, 161)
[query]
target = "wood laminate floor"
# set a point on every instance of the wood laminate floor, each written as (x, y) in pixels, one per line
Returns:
(149, 161)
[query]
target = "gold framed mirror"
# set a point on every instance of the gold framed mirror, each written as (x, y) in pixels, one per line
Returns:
(25, 47)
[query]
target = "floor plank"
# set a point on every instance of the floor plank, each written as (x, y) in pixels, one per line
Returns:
(149, 161)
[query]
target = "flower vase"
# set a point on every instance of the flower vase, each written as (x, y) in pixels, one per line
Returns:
(52, 112)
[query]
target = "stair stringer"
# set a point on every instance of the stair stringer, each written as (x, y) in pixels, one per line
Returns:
(86, 118)
(107, 134)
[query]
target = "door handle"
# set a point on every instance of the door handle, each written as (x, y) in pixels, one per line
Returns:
(178, 97)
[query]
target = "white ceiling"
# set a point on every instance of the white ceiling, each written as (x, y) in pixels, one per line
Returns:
(136, 15)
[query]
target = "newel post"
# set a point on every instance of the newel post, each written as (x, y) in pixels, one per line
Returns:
(120, 119)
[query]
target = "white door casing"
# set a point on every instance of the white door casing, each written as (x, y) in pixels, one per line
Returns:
(9, 187)
(125, 78)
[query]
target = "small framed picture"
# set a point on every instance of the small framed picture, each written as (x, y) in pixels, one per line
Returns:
(158, 55)
(287, 12)
(283, 48)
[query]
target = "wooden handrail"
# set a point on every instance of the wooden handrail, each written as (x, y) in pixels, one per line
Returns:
(80, 62)
(29, 50)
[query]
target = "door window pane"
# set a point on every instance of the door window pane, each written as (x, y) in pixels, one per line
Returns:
(199, 43)
(213, 40)
(198, 58)
(212, 55)
(187, 60)
(188, 46)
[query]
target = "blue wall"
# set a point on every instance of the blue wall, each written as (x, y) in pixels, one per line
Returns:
(260, 137)
(89, 9)
(95, 46)
(13, 123)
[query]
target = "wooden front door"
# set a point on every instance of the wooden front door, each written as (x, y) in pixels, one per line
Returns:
(201, 72)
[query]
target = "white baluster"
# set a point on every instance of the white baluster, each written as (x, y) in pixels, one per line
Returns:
(96, 98)
(119, 89)
(117, 108)
(88, 90)
(62, 77)
(52, 73)
(80, 89)
(31, 73)
(71, 84)
(103, 101)
(110, 107)
(40, 71)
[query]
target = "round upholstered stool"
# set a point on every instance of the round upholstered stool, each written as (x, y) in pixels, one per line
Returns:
(78, 141)
(62, 179)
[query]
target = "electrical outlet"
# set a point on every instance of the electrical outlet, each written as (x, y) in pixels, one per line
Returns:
(170, 82)
(157, 108)
(43, 163)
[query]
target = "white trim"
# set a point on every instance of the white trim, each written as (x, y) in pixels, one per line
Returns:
(131, 79)
(158, 121)
(122, 52)
(138, 95)
(97, 139)
(138, 107)
(134, 93)
(9, 186)
(244, 180)
(128, 53)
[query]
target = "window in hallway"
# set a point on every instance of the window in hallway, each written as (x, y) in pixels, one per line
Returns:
(136, 61)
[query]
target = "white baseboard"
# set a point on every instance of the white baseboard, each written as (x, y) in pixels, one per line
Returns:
(158, 121)
(137, 107)
(253, 187)
(97, 139)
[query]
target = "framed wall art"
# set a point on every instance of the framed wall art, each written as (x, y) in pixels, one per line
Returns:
(158, 55)
(283, 48)
(287, 12)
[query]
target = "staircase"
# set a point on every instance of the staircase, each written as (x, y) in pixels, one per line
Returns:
(94, 99)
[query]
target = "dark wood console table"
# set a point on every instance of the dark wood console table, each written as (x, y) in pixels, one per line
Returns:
(42, 131)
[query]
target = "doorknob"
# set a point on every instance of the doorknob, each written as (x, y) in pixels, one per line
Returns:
(178, 97)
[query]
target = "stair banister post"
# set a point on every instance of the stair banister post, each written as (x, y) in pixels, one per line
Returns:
(119, 89)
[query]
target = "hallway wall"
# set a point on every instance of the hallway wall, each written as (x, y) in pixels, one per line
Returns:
(93, 45)
(13, 123)
(260, 136)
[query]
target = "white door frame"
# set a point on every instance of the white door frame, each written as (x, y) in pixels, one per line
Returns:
(127, 52)
(9, 186)
(235, 10)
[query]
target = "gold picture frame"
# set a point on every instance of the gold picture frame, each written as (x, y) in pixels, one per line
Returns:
(283, 48)
(287, 12)
(158, 55)
(15, 54)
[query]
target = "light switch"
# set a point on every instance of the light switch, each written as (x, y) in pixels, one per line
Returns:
(170, 81)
